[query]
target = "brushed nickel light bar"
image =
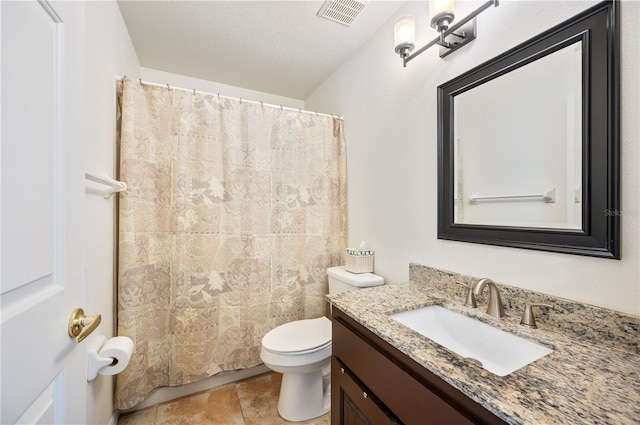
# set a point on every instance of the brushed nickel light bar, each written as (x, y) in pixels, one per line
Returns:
(450, 37)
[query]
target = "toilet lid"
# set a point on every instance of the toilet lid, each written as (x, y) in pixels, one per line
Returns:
(300, 335)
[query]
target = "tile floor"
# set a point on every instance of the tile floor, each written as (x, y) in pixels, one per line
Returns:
(252, 401)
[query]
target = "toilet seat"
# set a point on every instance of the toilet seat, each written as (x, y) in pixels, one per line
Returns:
(299, 337)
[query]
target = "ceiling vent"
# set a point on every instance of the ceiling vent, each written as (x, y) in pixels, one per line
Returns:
(341, 11)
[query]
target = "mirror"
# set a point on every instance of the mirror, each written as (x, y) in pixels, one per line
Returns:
(528, 143)
(544, 160)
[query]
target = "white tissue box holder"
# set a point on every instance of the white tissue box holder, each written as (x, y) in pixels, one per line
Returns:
(358, 261)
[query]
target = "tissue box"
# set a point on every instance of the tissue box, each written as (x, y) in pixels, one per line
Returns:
(358, 261)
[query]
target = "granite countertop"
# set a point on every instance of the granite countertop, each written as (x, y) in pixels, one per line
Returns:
(591, 377)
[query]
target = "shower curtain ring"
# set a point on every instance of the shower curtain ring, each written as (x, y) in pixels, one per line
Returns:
(168, 88)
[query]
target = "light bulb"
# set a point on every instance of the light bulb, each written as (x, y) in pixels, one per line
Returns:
(404, 31)
(441, 13)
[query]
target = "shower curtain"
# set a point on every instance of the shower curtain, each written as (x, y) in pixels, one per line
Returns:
(232, 215)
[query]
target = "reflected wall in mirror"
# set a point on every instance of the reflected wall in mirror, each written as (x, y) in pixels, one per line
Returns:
(526, 146)
(528, 143)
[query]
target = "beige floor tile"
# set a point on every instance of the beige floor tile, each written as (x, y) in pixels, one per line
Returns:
(322, 420)
(253, 401)
(219, 406)
(259, 399)
(139, 417)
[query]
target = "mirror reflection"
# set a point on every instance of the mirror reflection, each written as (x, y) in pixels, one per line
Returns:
(519, 161)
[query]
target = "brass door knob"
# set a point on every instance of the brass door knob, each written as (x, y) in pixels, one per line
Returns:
(80, 326)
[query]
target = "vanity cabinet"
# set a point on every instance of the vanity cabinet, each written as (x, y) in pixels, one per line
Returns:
(372, 382)
(358, 406)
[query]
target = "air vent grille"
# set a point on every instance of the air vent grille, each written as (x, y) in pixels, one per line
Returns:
(341, 11)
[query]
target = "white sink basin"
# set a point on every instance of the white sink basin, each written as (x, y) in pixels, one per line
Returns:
(497, 351)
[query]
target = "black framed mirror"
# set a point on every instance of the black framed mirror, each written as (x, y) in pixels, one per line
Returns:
(528, 143)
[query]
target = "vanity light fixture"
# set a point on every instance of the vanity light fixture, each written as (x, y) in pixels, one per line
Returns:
(450, 37)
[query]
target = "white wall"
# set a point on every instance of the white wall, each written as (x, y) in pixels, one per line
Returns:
(391, 124)
(185, 82)
(109, 53)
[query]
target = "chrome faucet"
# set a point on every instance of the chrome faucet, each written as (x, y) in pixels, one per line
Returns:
(494, 308)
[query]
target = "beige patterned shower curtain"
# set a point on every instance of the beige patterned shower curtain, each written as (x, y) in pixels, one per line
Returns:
(232, 215)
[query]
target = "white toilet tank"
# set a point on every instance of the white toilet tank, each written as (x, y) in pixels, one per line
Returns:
(341, 280)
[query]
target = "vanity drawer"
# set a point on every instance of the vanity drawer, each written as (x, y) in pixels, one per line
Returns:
(353, 403)
(412, 393)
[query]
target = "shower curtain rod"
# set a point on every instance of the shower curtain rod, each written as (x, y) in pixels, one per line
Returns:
(255, 102)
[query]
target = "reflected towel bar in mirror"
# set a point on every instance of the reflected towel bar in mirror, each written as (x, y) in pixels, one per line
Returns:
(548, 196)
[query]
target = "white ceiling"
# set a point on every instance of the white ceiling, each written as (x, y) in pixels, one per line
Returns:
(278, 47)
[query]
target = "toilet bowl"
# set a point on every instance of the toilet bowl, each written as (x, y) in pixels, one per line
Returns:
(301, 351)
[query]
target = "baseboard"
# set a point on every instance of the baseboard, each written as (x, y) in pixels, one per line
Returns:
(114, 418)
(160, 395)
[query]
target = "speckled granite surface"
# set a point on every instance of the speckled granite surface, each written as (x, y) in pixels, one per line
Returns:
(592, 377)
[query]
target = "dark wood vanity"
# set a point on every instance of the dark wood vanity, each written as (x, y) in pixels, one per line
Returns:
(383, 372)
(372, 382)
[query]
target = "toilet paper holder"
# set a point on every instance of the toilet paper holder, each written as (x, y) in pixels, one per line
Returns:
(95, 361)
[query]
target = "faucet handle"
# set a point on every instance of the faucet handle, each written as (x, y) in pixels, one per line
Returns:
(527, 315)
(470, 300)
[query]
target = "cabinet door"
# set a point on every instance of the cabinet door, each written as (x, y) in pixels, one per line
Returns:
(352, 403)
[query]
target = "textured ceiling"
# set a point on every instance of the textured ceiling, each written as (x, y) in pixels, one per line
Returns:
(278, 47)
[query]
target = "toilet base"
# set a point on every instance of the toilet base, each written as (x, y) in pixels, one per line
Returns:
(304, 396)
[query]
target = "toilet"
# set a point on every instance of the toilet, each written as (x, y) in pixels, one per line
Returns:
(301, 351)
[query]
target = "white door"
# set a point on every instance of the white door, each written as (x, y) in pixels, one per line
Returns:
(43, 370)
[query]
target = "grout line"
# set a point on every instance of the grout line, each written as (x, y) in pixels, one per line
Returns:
(235, 388)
